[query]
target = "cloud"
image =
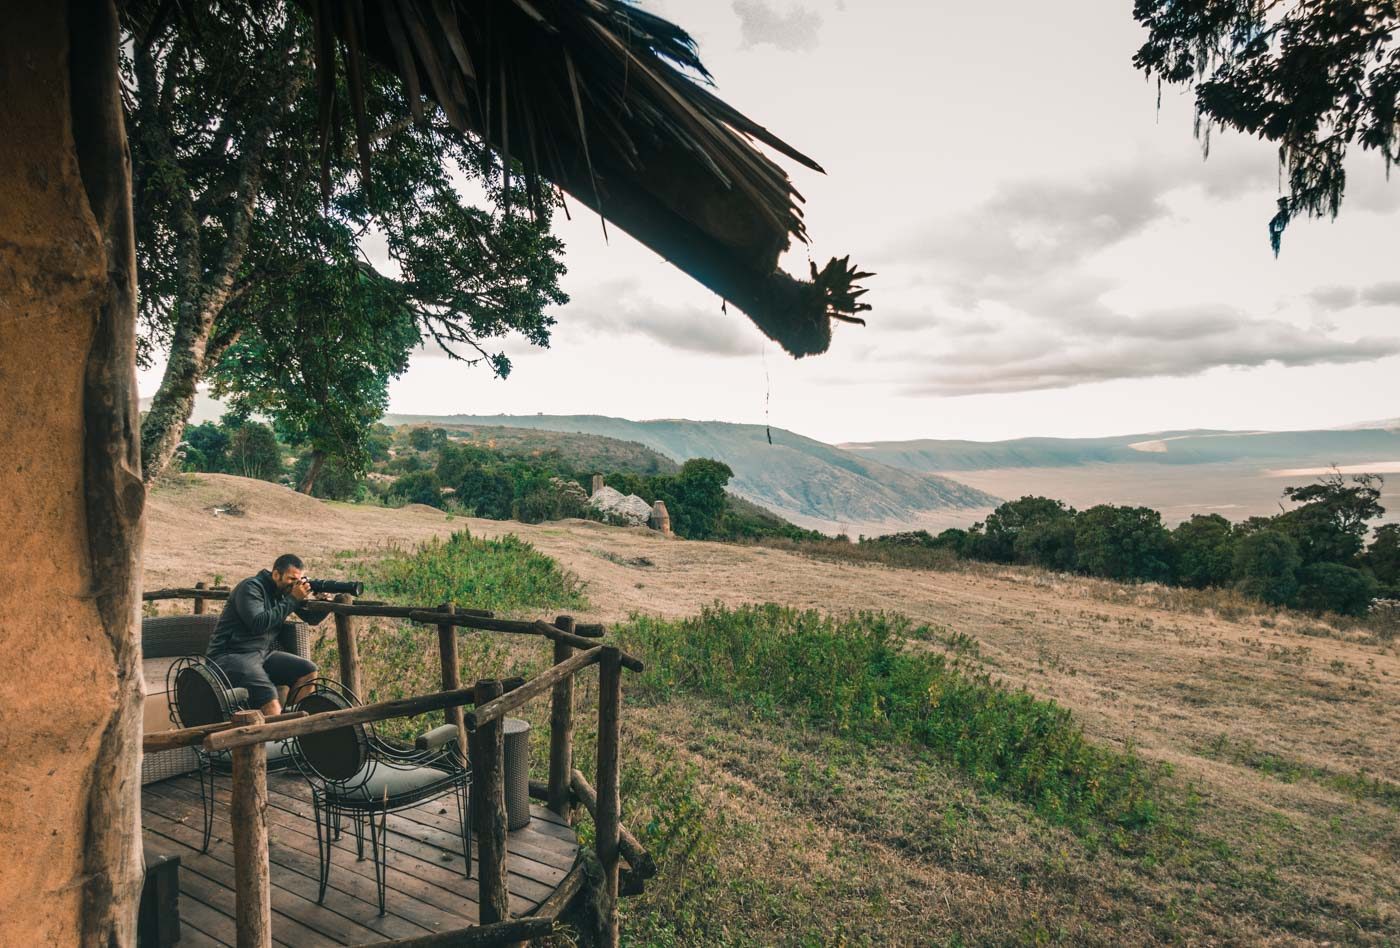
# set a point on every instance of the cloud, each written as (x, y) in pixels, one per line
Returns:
(794, 31)
(1179, 342)
(619, 307)
(1382, 294)
(1334, 297)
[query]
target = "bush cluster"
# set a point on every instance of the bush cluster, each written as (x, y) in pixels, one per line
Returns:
(1313, 556)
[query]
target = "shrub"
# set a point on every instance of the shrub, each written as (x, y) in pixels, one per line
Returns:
(502, 575)
(1266, 566)
(1205, 551)
(1125, 543)
(855, 675)
(421, 487)
(1332, 587)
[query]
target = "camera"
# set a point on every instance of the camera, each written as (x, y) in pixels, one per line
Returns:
(337, 586)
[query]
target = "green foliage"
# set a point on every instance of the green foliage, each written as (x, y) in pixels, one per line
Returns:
(1332, 587)
(1383, 558)
(1124, 543)
(1330, 525)
(1315, 78)
(1205, 551)
(857, 676)
(337, 480)
(1004, 525)
(210, 441)
(1266, 566)
(502, 575)
(426, 439)
(253, 451)
(421, 487)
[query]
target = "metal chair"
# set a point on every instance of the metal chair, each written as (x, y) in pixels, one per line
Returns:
(353, 771)
(200, 693)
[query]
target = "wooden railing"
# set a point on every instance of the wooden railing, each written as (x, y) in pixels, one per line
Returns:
(576, 647)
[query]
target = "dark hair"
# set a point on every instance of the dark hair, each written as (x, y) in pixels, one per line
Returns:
(286, 561)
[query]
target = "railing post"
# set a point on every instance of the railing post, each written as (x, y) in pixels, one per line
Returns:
(608, 818)
(199, 600)
(248, 814)
(349, 650)
(489, 809)
(452, 675)
(561, 729)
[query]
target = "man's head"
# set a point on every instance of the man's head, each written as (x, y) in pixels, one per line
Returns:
(286, 571)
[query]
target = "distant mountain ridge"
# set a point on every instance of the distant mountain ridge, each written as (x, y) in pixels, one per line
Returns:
(814, 484)
(1325, 446)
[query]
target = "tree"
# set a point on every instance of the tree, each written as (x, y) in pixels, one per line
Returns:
(695, 497)
(422, 487)
(1205, 551)
(423, 438)
(1383, 558)
(210, 441)
(326, 343)
(236, 233)
(1332, 587)
(1315, 77)
(1005, 524)
(1266, 567)
(253, 451)
(1331, 524)
(1126, 543)
(1048, 544)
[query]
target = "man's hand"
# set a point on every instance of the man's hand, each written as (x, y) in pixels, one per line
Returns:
(301, 590)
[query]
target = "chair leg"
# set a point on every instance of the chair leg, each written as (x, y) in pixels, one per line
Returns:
(379, 846)
(465, 829)
(358, 819)
(206, 800)
(321, 814)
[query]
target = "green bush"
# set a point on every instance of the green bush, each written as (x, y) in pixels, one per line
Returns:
(856, 675)
(1266, 566)
(1205, 551)
(1332, 587)
(421, 487)
(503, 575)
(1125, 543)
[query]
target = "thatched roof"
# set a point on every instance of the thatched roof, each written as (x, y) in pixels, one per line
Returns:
(594, 96)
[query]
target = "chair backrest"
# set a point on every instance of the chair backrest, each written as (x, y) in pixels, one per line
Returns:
(200, 693)
(172, 636)
(337, 755)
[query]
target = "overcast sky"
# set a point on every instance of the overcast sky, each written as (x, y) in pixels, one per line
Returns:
(1054, 257)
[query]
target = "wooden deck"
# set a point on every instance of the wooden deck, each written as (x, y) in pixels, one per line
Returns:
(426, 891)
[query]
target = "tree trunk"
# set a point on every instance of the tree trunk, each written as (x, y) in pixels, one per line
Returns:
(69, 739)
(173, 403)
(318, 458)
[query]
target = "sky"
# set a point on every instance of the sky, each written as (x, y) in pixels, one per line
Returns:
(1053, 255)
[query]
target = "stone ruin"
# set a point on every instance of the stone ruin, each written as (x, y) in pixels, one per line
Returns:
(629, 508)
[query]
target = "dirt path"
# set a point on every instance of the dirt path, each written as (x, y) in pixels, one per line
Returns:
(1170, 682)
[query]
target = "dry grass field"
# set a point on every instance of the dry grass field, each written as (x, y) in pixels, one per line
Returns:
(1282, 735)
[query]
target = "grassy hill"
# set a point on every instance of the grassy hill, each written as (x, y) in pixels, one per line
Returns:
(808, 482)
(834, 774)
(580, 451)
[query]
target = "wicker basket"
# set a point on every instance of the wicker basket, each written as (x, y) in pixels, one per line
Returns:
(517, 772)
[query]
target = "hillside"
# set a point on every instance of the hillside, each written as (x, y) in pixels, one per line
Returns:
(581, 451)
(1279, 731)
(814, 485)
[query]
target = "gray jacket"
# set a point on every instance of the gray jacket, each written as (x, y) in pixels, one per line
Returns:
(253, 617)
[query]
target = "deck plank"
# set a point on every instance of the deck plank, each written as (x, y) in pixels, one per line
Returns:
(426, 890)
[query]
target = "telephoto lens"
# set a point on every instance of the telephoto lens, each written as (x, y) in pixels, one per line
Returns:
(337, 586)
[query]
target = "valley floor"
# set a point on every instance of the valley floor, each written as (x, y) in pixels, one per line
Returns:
(1272, 722)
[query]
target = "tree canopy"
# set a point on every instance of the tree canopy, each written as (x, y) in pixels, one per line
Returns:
(245, 261)
(1316, 77)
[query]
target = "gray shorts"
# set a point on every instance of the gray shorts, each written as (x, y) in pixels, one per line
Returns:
(260, 674)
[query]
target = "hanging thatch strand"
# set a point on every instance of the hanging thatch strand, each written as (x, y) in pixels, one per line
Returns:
(594, 96)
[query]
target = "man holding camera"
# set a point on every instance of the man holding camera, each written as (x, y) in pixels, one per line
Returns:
(244, 643)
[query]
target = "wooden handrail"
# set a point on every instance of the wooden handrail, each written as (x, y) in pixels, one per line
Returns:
(496, 709)
(633, 851)
(481, 936)
(190, 736)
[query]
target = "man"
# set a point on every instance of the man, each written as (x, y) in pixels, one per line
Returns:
(244, 644)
